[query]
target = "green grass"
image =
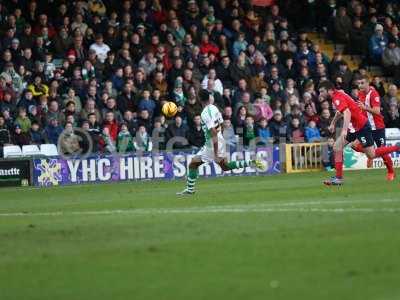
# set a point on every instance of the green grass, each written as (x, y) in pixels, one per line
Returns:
(281, 237)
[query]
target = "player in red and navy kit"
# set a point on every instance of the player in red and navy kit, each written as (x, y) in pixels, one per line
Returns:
(370, 104)
(355, 127)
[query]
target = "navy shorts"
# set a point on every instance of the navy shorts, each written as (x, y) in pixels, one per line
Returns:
(364, 135)
(379, 137)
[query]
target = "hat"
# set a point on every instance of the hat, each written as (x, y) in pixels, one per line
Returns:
(15, 41)
(378, 27)
(140, 26)
(191, 2)
(17, 126)
(277, 112)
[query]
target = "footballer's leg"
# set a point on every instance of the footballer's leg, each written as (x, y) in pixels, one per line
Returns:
(192, 175)
(338, 152)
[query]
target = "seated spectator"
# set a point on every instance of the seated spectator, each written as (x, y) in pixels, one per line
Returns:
(229, 134)
(38, 88)
(296, 131)
(69, 141)
(146, 103)
(218, 87)
(263, 132)
(52, 131)
(278, 128)
(36, 134)
(392, 119)
(196, 133)
(324, 123)
(125, 140)
(249, 133)
(312, 132)
(100, 48)
(23, 121)
(377, 43)
(179, 132)
(142, 140)
(112, 125)
(107, 142)
(262, 110)
(20, 138)
(94, 131)
(5, 138)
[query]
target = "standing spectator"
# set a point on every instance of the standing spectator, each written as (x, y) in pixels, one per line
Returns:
(52, 131)
(23, 120)
(229, 134)
(391, 59)
(377, 43)
(342, 25)
(112, 126)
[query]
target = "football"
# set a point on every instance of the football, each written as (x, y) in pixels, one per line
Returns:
(169, 109)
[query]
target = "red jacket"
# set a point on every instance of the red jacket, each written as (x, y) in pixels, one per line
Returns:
(207, 48)
(112, 128)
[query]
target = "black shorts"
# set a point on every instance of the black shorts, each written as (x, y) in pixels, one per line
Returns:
(364, 135)
(379, 137)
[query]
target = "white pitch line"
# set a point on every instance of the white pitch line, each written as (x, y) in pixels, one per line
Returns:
(206, 210)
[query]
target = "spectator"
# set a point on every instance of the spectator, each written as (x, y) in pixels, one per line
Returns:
(377, 43)
(143, 141)
(23, 122)
(107, 142)
(20, 138)
(112, 126)
(69, 141)
(342, 25)
(249, 133)
(312, 133)
(229, 134)
(178, 131)
(295, 131)
(52, 131)
(5, 138)
(391, 59)
(196, 134)
(125, 140)
(263, 131)
(36, 135)
(278, 127)
(146, 103)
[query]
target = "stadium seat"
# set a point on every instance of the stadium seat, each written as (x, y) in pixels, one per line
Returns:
(12, 151)
(30, 150)
(49, 150)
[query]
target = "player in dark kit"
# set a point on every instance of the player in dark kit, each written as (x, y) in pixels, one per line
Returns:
(370, 104)
(356, 127)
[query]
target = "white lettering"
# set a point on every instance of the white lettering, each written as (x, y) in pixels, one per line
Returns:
(126, 165)
(159, 166)
(103, 173)
(73, 166)
(146, 167)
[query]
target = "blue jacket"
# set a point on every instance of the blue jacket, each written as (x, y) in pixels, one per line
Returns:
(52, 133)
(377, 45)
(312, 134)
(148, 105)
(264, 133)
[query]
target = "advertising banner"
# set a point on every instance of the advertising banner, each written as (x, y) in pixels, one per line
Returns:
(358, 161)
(14, 173)
(115, 168)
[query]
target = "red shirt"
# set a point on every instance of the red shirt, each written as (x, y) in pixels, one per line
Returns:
(341, 101)
(371, 100)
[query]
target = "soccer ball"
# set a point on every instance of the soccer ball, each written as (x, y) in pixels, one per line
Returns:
(169, 109)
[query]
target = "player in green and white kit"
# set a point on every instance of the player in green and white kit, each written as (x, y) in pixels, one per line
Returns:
(214, 148)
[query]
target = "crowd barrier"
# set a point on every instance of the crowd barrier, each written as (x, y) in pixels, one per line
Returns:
(305, 157)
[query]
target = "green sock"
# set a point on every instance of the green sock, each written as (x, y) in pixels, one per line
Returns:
(191, 179)
(237, 164)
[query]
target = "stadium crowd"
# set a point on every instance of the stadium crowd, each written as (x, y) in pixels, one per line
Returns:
(107, 67)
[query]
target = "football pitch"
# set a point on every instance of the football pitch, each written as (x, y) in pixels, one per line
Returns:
(278, 237)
